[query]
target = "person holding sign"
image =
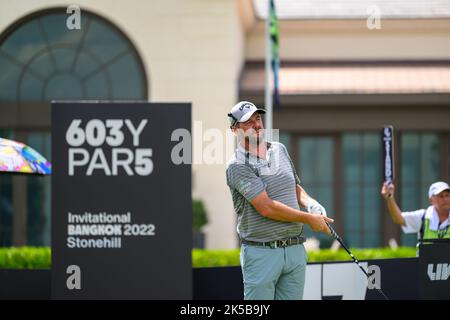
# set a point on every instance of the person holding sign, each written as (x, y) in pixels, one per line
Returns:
(430, 223)
(267, 196)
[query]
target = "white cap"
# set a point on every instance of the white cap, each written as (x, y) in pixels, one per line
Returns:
(242, 111)
(437, 188)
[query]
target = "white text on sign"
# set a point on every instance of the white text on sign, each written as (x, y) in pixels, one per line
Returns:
(111, 132)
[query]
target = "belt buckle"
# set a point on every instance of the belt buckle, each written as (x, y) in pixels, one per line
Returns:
(284, 243)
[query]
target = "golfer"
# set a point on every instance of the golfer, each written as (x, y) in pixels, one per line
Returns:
(267, 196)
(430, 223)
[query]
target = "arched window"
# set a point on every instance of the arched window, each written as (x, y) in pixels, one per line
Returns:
(42, 60)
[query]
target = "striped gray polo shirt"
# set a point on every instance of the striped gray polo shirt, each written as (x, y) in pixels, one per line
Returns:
(248, 176)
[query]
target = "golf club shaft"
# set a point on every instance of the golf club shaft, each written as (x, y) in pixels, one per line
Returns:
(336, 236)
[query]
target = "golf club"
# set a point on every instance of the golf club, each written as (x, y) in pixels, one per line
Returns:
(336, 236)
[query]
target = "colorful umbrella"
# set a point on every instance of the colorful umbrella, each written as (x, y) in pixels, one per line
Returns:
(16, 157)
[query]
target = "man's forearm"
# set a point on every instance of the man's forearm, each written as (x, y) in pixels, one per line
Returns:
(281, 212)
(394, 211)
(302, 197)
(308, 202)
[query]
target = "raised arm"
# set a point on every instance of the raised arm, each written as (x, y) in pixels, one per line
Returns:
(387, 192)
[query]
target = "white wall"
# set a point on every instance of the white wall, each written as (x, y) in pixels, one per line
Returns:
(338, 39)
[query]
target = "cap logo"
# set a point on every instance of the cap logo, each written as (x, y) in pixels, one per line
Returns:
(246, 105)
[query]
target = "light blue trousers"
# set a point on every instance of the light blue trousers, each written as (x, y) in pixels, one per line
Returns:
(273, 274)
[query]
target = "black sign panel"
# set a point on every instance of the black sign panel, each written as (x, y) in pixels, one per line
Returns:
(434, 269)
(388, 153)
(121, 205)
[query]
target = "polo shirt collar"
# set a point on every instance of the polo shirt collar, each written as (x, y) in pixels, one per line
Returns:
(433, 216)
(244, 154)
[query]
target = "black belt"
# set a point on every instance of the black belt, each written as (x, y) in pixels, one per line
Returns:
(277, 243)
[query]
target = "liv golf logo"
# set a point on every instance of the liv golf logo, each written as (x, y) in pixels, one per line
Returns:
(440, 272)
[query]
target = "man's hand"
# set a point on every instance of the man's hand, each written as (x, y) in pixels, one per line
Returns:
(387, 190)
(318, 223)
(314, 207)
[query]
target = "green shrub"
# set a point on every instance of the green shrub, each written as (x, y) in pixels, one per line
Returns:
(40, 257)
(361, 254)
(215, 258)
(200, 217)
(25, 258)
